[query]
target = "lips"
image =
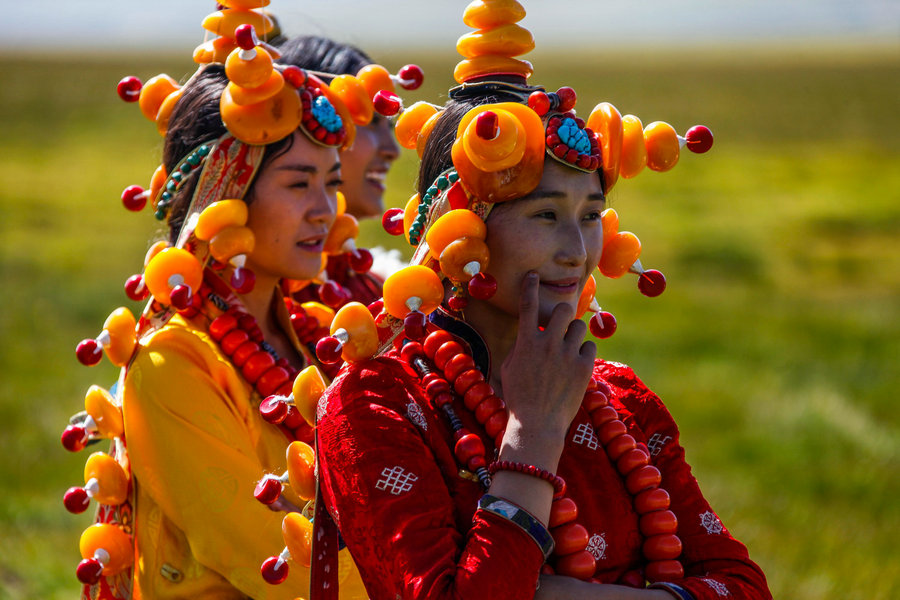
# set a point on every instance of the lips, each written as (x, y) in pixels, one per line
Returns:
(312, 244)
(564, 286)
(376, 177)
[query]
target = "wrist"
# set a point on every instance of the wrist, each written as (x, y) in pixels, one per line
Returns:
(531, 446)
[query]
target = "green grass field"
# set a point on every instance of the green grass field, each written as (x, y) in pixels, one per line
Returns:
(776, 345)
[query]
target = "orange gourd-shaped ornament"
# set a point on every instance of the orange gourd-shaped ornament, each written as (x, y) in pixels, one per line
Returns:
(297, 532)
(411, 294)
(411, 122)
(117, 338)
(106, 550)
(173, 276)
(354, 336)
(606, 122)
(104, 480)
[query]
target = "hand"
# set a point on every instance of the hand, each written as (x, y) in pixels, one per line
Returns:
(546, 373)
(557, 587)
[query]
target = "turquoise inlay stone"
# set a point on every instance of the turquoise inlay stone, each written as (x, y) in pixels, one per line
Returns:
(325, 114)
(574, 137)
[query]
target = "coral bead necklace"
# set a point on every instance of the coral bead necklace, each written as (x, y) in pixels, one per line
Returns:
(445, 367)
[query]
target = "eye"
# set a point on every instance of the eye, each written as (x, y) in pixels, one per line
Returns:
(337, 182)
(592, 216)
(300, 185)
(548, 215)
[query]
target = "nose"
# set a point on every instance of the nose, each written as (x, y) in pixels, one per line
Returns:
(388, 147)
(571, 248)
(322, 206)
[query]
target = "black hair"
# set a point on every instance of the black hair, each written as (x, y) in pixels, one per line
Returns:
(196, 120)
(317, 53)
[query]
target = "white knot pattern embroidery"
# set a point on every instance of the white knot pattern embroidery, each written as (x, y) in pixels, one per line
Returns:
(396, 480)
(597, 546)
(656, 443)
(585, 436)
(711, 523)
(718, 586)
(414, 413)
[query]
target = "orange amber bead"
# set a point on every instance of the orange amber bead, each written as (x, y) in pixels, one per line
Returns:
(301, 464)
(409, 214)
(249, 72)
(231, 242)
(111, 478)
(110, 538)
(169, 268)
(244, 96)
(503, 40)
(224, 22)
(154, 92)
(358, 322)
(619, 254)
(374, 79)
(606, 122)
(156, 182)
(587, 296)
(214, 51)
(101, 406)
(491, 64)
(662, 146)
(452, 226)
(165, 112)
(120, 326)
(355, 97)
(318, 311)
(634, 152)
(219, 215)
(345, 227)
(460, 254)
(415, 281)
(297, 532)
(484, 14)
(244, 4)
(610, 220)
(425, 132)
(308, 387)
(410, 123)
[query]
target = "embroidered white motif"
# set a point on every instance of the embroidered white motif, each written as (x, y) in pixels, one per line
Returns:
(597, 546)
(711, 523)
(396, 480)
(321, 408)
(585, 436)
(656, 443)
(718, 586)
(414, 413)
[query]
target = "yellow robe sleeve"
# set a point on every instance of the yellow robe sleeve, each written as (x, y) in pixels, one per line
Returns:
(197, 446)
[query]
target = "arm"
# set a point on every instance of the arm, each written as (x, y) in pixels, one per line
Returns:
(385, 486)
(716, 564)
(195, 449)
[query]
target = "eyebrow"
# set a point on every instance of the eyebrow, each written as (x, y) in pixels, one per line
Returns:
(308, 168)
(556, 194)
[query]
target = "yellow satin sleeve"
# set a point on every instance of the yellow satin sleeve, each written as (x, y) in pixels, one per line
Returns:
(197, 446)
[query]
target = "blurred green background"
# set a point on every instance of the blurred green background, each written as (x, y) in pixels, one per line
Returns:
(775, 345)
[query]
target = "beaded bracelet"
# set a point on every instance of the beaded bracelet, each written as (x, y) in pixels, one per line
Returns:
(522, 518)
(676, 590)
(558, 483)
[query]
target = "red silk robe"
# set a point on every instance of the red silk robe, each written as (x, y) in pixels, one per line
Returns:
(390, 479)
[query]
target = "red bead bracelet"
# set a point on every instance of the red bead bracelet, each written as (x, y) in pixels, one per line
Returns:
(558, 483)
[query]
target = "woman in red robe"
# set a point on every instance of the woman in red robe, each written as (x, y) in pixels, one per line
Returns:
(486, 452)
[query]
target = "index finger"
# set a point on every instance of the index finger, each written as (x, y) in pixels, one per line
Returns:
(528, 303)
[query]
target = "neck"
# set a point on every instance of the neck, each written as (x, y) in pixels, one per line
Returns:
(258, 303)
(498, 330)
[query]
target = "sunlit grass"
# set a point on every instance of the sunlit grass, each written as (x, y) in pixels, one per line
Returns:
(775, 346)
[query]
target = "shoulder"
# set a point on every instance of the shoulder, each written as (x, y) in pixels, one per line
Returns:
(631, 394)
(177, 351)
(384, 380)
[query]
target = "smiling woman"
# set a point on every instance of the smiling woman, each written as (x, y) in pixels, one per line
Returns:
(484, 443)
